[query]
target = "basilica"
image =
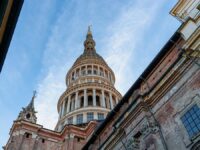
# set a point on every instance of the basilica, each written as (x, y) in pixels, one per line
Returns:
(160, 111)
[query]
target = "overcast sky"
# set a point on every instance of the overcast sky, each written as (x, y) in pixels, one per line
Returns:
(49, 37)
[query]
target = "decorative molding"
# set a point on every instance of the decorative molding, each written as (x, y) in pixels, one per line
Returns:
(149, 127)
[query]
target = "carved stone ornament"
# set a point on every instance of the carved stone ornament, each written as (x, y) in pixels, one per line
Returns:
(149, 127)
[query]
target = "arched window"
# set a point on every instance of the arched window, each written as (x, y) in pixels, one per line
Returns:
(101, 72)
(83, 71)
(65, 108)
(98, 101)
(28, 135)
(114, 102)
(70, 106)
(90, 101)
(95, 72)
(107, 103)
(89, 71)
(82, 102)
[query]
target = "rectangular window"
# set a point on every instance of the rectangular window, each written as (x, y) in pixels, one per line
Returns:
(70, 120)
(79, 119)
(3, 6)
(100, 116)
(191, 121)
(90, 116)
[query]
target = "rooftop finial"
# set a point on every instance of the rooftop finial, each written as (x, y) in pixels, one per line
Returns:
(89, 29)
(28, 113)
(34, 93)
(31, 104)
(89, 43)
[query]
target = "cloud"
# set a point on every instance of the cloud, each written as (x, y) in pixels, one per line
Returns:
(48, 93)
(125, 34)
(62, 48)
(56, 61)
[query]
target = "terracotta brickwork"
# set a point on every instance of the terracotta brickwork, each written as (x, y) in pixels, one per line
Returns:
(159, 112)
(29, 136)
(89, 96)
(154, 121)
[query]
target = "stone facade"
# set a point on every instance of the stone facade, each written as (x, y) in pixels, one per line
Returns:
(161, 110)
(28, 136)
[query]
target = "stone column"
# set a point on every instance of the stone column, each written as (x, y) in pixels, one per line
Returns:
(94, 97)
(111, 102)
(60, 112)
(76, 100)
(79, 101)
(67, 81)
(71, 77)
(92, 70)
(116, 99)
(86, 70)
(95, 116)
(111, 78)
(68, 104)
(103, 99)
(85, 98)
(80, 71)
(84, 117)
(73, 104)
(98, 71)
(63, 107)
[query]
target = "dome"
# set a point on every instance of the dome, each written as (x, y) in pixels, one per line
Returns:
(89, 55)
(90, 93)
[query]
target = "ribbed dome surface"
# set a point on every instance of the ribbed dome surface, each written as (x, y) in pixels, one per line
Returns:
(89, 55)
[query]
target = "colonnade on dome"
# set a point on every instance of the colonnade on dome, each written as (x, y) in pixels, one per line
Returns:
(88, 97)
(90, 93)
(89, 70)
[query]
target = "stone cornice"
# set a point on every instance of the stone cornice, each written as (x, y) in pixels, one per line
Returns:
(164, 85)
(84, 109)
(167, 82)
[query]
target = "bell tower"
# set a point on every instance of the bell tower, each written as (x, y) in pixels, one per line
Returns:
(28, 113)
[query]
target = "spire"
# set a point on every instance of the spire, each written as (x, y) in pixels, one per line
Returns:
(89, 43)
(28, 113)
(31, 104)
(89, 30)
